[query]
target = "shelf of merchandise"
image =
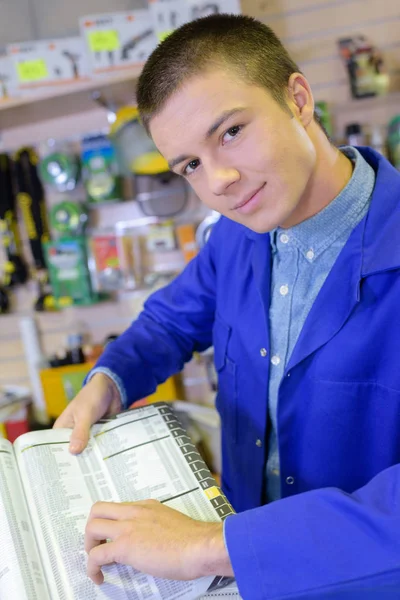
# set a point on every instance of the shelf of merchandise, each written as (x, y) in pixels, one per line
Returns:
(70, 89)
(46, 103)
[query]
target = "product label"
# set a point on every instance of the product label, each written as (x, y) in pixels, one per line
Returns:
(107, 41)
(47, 62)
(105, 252)
(32, 70)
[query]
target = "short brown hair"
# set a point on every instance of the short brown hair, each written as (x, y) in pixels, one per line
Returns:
(239, 41)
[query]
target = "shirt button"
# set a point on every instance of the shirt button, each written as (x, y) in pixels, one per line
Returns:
(275, 360)
(310, 254)
(290, 480)
(284, 238)
(284, 290)
(259, 443)
(263, 352)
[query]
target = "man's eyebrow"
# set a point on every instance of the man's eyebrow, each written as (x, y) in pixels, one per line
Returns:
(214, 127)
(221, 119)
(175, 161)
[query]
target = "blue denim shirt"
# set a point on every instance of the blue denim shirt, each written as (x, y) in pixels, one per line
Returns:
(303, 255)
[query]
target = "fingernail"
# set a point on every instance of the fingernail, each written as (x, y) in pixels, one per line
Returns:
(75, 447)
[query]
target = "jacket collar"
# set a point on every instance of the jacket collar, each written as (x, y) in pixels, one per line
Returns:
(381, 226)
(380, 248)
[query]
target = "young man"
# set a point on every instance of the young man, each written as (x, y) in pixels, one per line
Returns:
(298, 290)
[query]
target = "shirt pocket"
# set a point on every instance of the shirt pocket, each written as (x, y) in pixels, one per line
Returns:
(226, 399)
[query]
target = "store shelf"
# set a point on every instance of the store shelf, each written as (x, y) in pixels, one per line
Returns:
(52, 91)
(66, 99)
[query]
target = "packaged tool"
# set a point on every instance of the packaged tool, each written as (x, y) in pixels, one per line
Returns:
(100, 170)
(118, 40)
(15, 269)
(365, 66)
(47, 63)
(31, 201)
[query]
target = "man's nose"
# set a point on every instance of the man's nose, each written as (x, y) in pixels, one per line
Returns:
(221, 178)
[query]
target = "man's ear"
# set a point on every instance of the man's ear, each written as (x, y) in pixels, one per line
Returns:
(300, 98)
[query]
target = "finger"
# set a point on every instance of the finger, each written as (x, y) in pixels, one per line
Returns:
(98, 557)
(80, 434)
(65, 420)
(99, 530)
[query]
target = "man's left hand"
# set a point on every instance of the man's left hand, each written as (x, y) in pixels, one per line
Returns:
(154, 539)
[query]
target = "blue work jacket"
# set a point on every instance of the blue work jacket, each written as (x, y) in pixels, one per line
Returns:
(336, 531)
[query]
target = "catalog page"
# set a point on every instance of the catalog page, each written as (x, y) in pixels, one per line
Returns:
(21, 574)
(149, 455)
(132, 457)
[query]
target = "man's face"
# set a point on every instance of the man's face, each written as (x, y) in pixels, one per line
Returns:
(242, 153)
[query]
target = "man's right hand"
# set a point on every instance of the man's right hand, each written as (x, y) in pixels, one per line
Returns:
(99, 397)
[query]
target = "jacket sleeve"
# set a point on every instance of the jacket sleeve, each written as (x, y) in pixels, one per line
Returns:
(175, 322)
(321, 544)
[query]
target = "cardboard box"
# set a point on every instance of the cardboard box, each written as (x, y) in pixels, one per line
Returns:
(48, 62)
(118, 40)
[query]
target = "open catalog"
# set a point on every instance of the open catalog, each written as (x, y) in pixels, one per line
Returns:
(46, 495)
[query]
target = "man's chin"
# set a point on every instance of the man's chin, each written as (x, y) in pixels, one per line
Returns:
(259, 226)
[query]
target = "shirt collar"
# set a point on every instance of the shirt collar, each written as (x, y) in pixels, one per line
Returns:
(318, 232)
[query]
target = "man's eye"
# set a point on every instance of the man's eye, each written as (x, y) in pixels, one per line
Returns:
(190, 167)
(231, 133)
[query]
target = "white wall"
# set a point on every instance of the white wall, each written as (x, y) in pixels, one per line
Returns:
(24, 20)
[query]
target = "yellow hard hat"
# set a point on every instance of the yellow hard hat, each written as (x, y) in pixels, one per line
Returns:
(149, 163)
(125, 115)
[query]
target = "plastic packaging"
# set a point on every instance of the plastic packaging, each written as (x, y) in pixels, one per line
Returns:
(355, 135)
(68, 271)
(100, 170)
(60, 170)
(365, 66)
(68, 218)
(75, 355)
(129, 138)
(106, 262)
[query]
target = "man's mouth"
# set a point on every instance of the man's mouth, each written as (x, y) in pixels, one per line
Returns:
(248, 199)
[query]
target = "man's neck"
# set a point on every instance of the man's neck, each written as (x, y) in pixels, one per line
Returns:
(333, 171)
